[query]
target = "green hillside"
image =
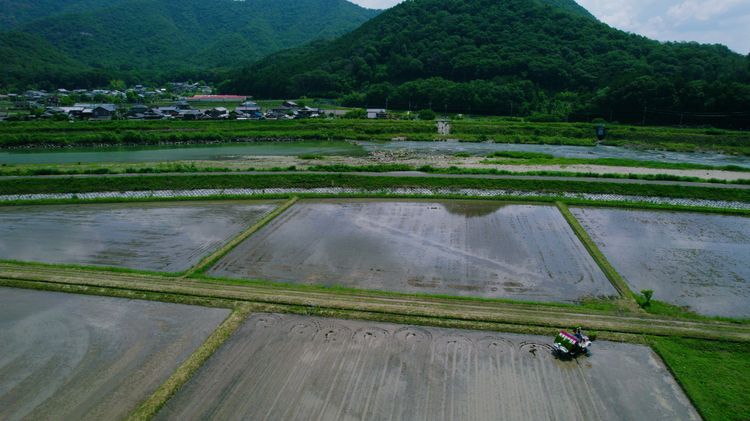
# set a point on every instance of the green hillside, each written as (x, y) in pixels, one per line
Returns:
(163, 34)
(494, 55)
(14, 13)
(28, 59)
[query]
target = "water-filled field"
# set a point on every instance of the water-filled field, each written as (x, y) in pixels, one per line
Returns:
(285, 367)
(75, 357)
(456, 247)
(687, 259)
(167, 237)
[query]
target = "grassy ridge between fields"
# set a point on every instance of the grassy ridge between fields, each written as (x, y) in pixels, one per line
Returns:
(210, 260)
(266, 181)
(159, 398)
(596, 254)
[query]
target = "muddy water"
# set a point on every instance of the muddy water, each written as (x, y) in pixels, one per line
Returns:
(455, 247)
(284, 367)
(167, 237)
(687, 259)
(74, 357)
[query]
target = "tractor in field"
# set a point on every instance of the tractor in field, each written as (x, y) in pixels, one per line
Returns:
(571, 345)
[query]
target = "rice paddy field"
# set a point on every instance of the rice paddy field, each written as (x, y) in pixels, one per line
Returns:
(75, 357)
(166, 237)
(67, 356)
(451, 247)
(281, 367)
(687, 259)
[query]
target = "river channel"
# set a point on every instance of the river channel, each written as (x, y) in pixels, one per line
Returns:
(230, 151)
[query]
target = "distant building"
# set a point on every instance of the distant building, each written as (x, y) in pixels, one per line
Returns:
(219, 113)
(378, 113)
(248, 107)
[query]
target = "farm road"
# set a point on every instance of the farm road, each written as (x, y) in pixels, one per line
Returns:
(372, 304)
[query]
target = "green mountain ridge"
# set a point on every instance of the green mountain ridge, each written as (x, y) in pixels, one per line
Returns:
(153, 41)
(14, 13)
(502, 57)
(172, 33)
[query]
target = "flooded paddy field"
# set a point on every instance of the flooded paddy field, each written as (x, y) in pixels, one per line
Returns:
(456, 247)
(287, 367)
(168, 237)
(687, 259)
(74, 357)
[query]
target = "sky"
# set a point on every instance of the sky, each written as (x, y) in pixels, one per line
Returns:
(706, 21)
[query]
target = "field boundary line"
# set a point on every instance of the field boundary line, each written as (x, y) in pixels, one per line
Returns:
(639, 323)
(163, 393)
(208, 261)
(596, 254)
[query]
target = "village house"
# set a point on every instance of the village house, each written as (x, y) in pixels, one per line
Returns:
(377, 113)
(219, 113)
(307, 112)
(248, 107)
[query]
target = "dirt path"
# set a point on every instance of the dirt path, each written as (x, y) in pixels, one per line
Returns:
(379, 303)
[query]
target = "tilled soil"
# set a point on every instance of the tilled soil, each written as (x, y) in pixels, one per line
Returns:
(74, 357)
(285, 367)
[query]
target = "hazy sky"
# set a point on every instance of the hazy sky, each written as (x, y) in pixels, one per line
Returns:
(706, 21)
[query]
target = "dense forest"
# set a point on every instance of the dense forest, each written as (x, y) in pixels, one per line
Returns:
(153, 40)
(14, 13)
(510, 57)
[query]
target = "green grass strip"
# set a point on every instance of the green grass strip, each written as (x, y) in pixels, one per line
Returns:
(714, 375)
(596, 254)
(159, 398)
(301, 180)
(209, 261)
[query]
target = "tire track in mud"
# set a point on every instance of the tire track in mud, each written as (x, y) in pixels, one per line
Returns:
(355, 370)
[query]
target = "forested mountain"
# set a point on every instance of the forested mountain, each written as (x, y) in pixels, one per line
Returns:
(492, 55)
(14, 13)
(205, 33)
(150, 39)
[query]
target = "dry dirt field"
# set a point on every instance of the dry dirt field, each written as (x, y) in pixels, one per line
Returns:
(456, 247)
(168, 237)
(78, 357)
(687, 259)
(286, 367)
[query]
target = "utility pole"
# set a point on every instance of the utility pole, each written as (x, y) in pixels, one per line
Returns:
(446, 108)
(644, 115)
